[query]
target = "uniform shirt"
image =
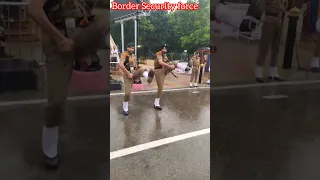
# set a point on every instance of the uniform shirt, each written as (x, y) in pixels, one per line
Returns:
(160, 57)
(195, 61)
(202, 60)
(131, 63)
(276, 8)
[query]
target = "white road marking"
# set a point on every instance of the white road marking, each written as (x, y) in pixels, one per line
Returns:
(275, 97)
(101, 96)
(286, 83)
(165, 90)
(153, 144)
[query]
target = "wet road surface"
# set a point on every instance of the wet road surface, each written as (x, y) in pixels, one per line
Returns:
(84, 142)
(254, 138)
(238, 67)
(183, 112)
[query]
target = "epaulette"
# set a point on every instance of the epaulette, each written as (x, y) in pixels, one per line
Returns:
(159, 53)
(124, 55)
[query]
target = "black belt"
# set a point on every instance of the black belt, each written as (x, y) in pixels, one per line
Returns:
(158, 68)
(274, 14)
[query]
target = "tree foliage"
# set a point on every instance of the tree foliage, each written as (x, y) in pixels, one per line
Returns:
(181, 30)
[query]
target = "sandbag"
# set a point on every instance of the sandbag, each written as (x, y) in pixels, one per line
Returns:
(247, 25)
(230, 15)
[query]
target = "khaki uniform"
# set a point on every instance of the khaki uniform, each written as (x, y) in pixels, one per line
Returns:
(195, 62)
(271, 32)
(59, 65)
(161, 72)
(136, 74)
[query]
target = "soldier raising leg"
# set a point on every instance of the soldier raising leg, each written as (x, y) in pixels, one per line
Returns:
(56, 19)
(127, 65)
(162, 68)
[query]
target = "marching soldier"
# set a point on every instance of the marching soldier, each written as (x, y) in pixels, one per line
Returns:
(128, 65)
(162, 67)
(195, 62)
(62, 40)
(271, 35)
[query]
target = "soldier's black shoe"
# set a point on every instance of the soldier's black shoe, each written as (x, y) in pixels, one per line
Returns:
(259, 80)
(52, 163)
(126, 113)
(315, 70)
(187, 69)
(150, 75)
(275, 79)
(157, 107)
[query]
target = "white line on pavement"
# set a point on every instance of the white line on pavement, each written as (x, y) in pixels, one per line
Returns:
(88, 97)
(100, 96)
(165, 90)
(286, 83)
(275, 97)
(153, 144)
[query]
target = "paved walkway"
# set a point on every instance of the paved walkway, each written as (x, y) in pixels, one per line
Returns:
(274, 136)
(234, 62)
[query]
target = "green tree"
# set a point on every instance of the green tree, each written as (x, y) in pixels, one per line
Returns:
(115, 30)
(181, 30)
(193, 27)
(146, 29)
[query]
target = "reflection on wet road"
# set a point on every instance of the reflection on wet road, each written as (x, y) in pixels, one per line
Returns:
(183, 112)
(84, 146)
(266, 139)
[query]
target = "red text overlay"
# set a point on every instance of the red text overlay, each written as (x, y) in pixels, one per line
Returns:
(146, 6)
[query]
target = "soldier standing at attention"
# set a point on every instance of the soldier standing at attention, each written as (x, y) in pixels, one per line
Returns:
(195, 62)
(162, 67)
(55, 18)
(271, 35)
(128, 65)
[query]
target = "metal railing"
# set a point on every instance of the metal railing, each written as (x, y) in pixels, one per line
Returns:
(14, 27)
